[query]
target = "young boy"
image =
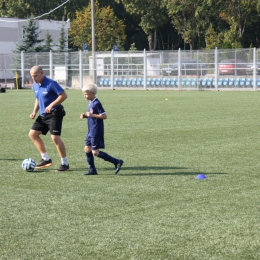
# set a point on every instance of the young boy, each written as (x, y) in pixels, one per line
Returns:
(95, 136)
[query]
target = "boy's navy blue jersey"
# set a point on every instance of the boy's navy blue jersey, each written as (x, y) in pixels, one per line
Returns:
(95, 126)
(46, 93)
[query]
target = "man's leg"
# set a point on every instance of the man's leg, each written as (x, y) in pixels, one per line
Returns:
(61, 151)
(35, 137)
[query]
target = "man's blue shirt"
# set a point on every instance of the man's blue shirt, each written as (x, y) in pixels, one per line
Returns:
(46, 93)
(95, 126)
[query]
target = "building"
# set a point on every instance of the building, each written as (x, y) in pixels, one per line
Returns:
(11, 32)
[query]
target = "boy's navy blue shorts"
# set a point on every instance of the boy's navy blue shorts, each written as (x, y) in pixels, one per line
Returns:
(47, 123)
(95, 142)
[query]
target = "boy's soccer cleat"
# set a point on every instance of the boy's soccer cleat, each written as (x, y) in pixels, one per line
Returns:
(42, 164)
(118, 166)
(90, 173)
(63, 168)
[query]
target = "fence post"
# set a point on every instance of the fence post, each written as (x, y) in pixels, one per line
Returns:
(22, 69)
(80, 69)
(216, 68)
(51, 64)
(112, 69)
(145, 69)
(179, 69)
(255, 69)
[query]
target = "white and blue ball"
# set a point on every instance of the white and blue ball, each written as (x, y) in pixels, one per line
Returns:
(28, 164)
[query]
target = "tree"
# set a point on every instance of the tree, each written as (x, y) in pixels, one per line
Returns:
(32, 8)
(30, 41)
(188, 19)
(109, 29)
(62, 40)
(152, 15)
(48, 42)
(239, 14)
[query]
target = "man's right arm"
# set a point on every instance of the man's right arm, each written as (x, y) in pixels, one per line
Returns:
(35, 109)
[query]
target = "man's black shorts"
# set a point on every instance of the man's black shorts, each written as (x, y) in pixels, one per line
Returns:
(47, 123)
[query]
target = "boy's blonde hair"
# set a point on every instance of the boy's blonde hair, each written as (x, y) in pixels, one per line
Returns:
(90, 87)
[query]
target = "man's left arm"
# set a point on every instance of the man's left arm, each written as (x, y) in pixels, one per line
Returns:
(56, 102)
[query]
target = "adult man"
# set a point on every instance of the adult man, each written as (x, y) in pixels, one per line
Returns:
(48, 98)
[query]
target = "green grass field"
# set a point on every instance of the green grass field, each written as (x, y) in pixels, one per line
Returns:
(154, 208)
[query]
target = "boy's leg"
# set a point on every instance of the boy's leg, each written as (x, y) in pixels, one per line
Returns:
(90, 160)
(117, 162)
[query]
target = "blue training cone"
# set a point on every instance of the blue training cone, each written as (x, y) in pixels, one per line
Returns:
(201, 177)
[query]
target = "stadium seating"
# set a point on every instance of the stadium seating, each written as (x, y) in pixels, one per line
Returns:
(173, 82)
(236, 83)
(209, 82)
(258, 83)
(242, 82)
(193, 82)
(230, 82)
(248, 82)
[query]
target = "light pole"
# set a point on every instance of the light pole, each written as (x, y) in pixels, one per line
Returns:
(94, 73)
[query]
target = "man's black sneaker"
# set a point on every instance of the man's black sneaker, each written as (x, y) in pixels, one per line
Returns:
(42, 164)
(118, 166)
(90, 173)
(63, 168)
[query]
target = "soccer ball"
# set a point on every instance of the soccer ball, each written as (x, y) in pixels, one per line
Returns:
(28, 164)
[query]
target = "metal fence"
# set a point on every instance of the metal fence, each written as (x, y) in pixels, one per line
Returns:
(192, 70)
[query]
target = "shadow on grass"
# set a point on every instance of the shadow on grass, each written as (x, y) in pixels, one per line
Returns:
(138, 171)
(158, 170)
(12, 159)
(185, 173)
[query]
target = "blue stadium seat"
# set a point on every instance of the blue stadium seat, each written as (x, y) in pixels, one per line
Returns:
(183, 81)
(248, 82)
(231, 82)
(158, 82)
(173, 82)
(167, 82)
(258, 83)
(101, 82)
(123, 82)
(236, 82)
(220, 81)
(152, 83)
(133, 82)
(119, 82)
(209, 82)
(138, 82)
(242, 82)
(105, 82)
(128, 82)
(115, 82)
(148, 82)
(162, 82)
(193, 82)
(187, 82)
(203, 82)
(225, 82)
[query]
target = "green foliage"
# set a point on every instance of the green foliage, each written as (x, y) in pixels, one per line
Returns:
(48, 42)
(30, 41)
(154, 208)
(32, 8)
(152, 15)
(109, 29)
(62, 40)
(133, 48)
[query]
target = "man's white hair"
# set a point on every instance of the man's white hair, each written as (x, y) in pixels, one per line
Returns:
(90, 87)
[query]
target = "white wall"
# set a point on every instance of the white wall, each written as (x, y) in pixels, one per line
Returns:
(11, 32)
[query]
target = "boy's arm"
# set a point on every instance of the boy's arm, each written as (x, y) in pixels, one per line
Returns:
(98, 116)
